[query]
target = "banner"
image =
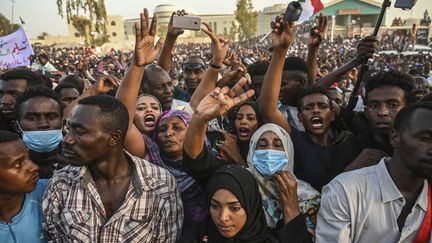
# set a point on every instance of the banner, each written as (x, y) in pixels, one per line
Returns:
(422, 36)
(15, 50)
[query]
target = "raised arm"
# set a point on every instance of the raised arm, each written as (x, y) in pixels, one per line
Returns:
(365, 50)
(219, 47)
(214, 104)
(282, 37)
(145, 53)
(171, 37)
(102, 86)
(315, 38)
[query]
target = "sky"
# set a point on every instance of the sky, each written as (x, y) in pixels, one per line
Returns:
(41, 15)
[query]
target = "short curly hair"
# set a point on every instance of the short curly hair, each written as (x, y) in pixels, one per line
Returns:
(392, 78)
(31, 93)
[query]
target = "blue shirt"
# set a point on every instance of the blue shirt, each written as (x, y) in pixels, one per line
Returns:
(26, 226)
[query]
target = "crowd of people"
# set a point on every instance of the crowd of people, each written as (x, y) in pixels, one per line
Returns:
(290, 138)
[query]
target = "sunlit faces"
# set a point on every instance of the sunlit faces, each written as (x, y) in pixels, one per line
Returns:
(171, 134)
(227, 213)
(87, 139)
(146, 114)
(383, 104)
(18, 174)
(316, 113)
(269, 140)
(9, 92)
(246, 123)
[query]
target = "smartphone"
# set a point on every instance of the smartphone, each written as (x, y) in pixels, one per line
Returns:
(187, 22)
(405, 4)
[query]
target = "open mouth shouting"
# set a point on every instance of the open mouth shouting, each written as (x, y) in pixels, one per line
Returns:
(244, 132)
(317, 122)
(149, 120)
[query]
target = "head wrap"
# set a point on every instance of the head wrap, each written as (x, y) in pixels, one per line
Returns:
(308, 197)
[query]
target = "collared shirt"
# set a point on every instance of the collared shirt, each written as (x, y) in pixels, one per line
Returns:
(290, 113)
(26, 226)
(363, 206)
(152, 210)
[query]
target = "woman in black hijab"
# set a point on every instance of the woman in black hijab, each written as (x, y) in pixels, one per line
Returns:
(237, 214)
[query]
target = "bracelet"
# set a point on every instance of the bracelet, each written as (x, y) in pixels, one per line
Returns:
(215, 66)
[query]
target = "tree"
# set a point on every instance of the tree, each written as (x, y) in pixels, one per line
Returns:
(94, 14)
(6, 27)
(42, 35)
(246, 17)
(233, 31)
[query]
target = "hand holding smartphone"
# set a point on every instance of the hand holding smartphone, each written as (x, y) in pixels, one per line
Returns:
(187, 22)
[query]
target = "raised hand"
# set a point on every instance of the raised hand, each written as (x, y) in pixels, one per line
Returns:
(282, 34)
(105, 84)
(145, 50)
(287, 185)
(236, 71)
(220, 100)
(230, 150)
(219, 45)
(366, 48)
(317, 33)
(175, 32)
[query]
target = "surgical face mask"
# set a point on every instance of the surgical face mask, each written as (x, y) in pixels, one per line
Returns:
(42, 141)
(268, 162)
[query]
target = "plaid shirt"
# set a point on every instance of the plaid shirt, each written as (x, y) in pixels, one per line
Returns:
(151, 212)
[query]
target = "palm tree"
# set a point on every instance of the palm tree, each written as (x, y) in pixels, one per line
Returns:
(94, 14)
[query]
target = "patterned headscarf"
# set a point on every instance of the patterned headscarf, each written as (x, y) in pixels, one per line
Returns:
(308, 197)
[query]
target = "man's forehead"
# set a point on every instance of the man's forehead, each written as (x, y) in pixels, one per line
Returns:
(12, 150)
(84, 114)
(13, 84)
(40, 104)
(421, 120)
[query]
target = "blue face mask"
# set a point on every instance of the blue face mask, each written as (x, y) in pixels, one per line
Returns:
(42, 141)
(268, 162)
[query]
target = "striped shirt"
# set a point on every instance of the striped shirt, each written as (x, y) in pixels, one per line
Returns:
(152, 210)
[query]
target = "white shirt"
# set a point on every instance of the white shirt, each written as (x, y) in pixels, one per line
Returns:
(363, 206)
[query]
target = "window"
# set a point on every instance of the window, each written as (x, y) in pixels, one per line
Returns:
(77, 34)
(114, 34)
(225, 31)
(113, 23)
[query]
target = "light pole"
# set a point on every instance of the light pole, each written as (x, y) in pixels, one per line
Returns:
(333, 26)
(12, 17)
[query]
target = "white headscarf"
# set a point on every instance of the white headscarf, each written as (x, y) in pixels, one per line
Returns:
(308, 197)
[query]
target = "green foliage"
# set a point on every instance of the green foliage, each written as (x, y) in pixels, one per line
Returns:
(93, 18)
(234, 30)
(6, 27)
(247, 18)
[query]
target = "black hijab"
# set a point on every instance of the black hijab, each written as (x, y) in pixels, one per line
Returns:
(243, 185)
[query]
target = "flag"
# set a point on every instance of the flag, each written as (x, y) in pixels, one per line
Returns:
(15, 50)
(310, 7)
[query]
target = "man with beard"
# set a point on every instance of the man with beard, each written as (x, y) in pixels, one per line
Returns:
(157, 82)
(106, 194)
(388, 202)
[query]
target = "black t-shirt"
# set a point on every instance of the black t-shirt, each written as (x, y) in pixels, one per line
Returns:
(311, 161)
(347, 151)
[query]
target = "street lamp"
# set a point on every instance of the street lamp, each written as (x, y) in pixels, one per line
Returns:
(12, 17)
(333, 26)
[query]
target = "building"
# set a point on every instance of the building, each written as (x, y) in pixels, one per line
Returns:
(267, 15)
(221, 23)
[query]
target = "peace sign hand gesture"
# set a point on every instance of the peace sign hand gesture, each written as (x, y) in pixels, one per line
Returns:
(220, 100)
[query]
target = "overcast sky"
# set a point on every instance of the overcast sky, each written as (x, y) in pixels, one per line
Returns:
(41, 15)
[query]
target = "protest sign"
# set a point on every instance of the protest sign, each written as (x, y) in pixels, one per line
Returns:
(15, 50)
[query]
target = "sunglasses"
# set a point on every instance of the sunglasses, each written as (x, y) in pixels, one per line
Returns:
(192, 66)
